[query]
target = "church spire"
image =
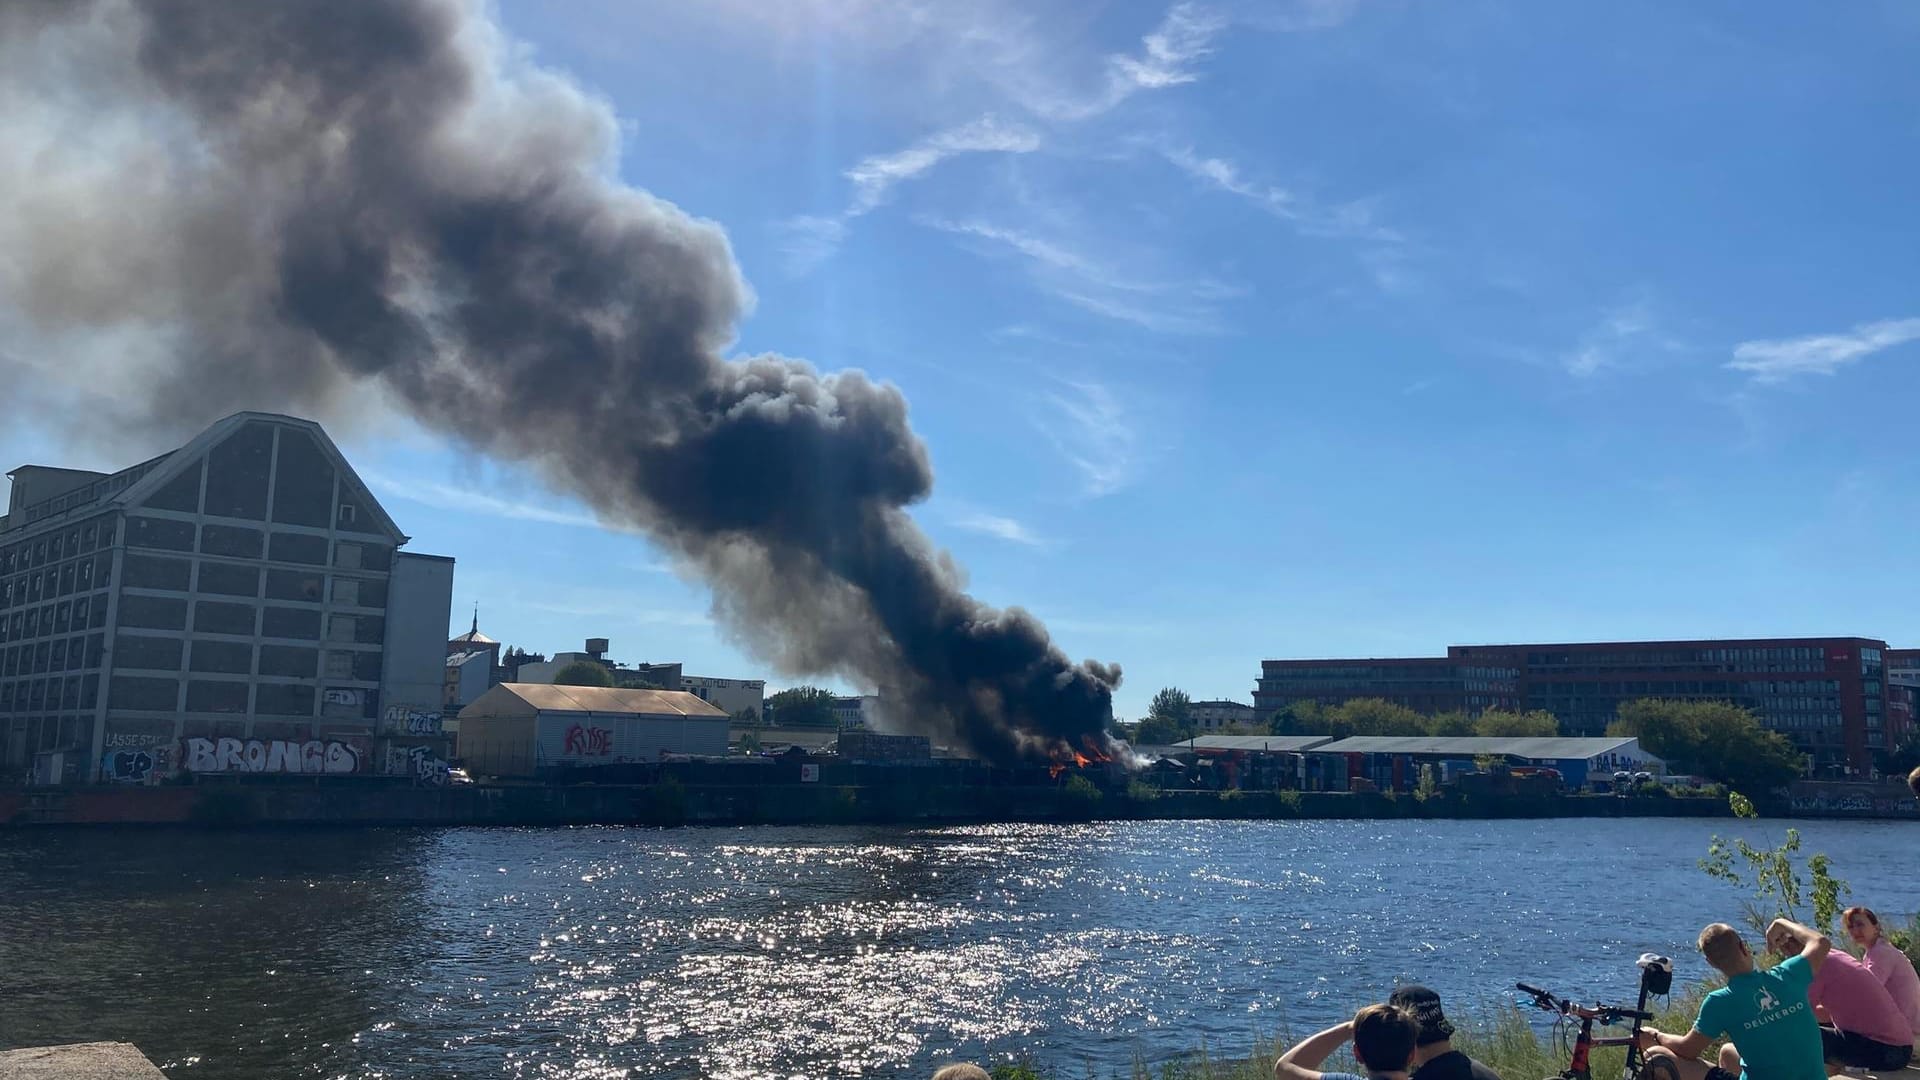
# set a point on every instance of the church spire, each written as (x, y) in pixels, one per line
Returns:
(476, 619)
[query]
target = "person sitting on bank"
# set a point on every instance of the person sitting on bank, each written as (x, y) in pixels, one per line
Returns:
(1887, 963)
(963, 1071)
(1860, 1024)
(1767, 1010)
(1383, 1041)
(1434, 1057)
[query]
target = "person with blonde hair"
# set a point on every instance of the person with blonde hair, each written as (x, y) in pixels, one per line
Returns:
(965, 1070)
(1888, 964)
(1913, 781)
(1766, 1011)
(1383, 1036)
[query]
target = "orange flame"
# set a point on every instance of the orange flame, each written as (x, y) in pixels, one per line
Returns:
(1080, 759)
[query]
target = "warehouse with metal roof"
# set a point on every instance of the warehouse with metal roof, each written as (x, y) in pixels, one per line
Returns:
(1576, 759)
(526, 729)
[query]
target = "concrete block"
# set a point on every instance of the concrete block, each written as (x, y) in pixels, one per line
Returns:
(79, 1061)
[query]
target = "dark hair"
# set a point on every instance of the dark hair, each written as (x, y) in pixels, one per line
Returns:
(1384, 1036)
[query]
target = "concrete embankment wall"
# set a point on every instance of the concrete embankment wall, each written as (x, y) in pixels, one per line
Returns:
(676, 804)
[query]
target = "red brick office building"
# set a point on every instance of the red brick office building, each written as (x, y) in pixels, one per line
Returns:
(1831, 696)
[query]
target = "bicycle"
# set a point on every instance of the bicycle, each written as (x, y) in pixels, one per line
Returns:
(1656, 979)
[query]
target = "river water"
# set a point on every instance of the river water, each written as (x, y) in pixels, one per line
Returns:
(749, 952)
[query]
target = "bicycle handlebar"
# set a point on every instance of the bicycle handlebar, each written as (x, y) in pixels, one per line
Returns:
(1606, 1014)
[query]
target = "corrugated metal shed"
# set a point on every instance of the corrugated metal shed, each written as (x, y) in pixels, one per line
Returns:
(1271, 744)
(1536, 748)
(525, 699)
(521, 729)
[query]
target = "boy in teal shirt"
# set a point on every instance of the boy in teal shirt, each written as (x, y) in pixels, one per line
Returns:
(1765, 1014)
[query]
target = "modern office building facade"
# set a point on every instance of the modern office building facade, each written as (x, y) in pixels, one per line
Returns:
(1829, 695)
(236, 605)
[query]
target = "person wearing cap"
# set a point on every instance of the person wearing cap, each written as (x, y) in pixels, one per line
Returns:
(1434, 1057)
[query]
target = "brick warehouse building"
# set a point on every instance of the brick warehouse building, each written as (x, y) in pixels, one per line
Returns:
(237, 605)
(1831, 696)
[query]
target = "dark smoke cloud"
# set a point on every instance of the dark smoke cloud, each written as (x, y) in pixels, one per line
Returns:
(217, 205)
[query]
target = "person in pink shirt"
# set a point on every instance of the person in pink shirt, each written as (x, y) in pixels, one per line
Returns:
(1887, 963)
(1859, 1023)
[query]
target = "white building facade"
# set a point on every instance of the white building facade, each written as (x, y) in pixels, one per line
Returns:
(1214, 715)
(730, 695)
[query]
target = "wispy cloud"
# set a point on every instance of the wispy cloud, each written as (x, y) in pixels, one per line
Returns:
(465, 500)
(1090, 427)
(1821, 354)
(1624, 333)
(1166, 58)
(812, 239)
(1356, 218)
(1089, 284)
(873, 177)
(997, 526)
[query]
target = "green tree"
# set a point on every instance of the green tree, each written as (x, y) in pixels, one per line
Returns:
(1497, 723)
(1373, 716)
(802, 706)
(1711, 738)
(1156, 731)
(1172, 703)
(1299, 718)
(1453, 724)
(583, 673)
(748, 718)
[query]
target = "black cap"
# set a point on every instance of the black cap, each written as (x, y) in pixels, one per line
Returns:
(1424, 1004)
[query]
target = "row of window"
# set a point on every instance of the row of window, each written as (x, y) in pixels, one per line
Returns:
(246, 542)
(50, 695)
(23, 737)
(64, 579)
(68, 615)
(1743, 659)
(79, 540)
(152, 693)
(239, 579)
(145, 653)
(60, 654)
(248, 620)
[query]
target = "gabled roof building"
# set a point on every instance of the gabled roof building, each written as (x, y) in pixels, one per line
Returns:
(194, 610)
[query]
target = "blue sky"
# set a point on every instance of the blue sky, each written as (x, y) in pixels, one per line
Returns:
(1245, 331)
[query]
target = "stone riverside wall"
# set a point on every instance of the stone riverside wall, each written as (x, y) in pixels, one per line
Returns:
(79, 1061)
(674, 803)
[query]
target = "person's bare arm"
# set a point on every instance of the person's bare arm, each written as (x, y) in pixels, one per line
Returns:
(1302, 1061)
(1689, 1046)
(1814, 945)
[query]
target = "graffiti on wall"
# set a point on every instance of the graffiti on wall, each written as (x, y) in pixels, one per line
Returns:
(422, 763)
(588, 741)
(405, 720)
(136, 759)
(313, 756)
(127, 766)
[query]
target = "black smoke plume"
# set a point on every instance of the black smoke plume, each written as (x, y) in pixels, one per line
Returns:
(213, 205)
